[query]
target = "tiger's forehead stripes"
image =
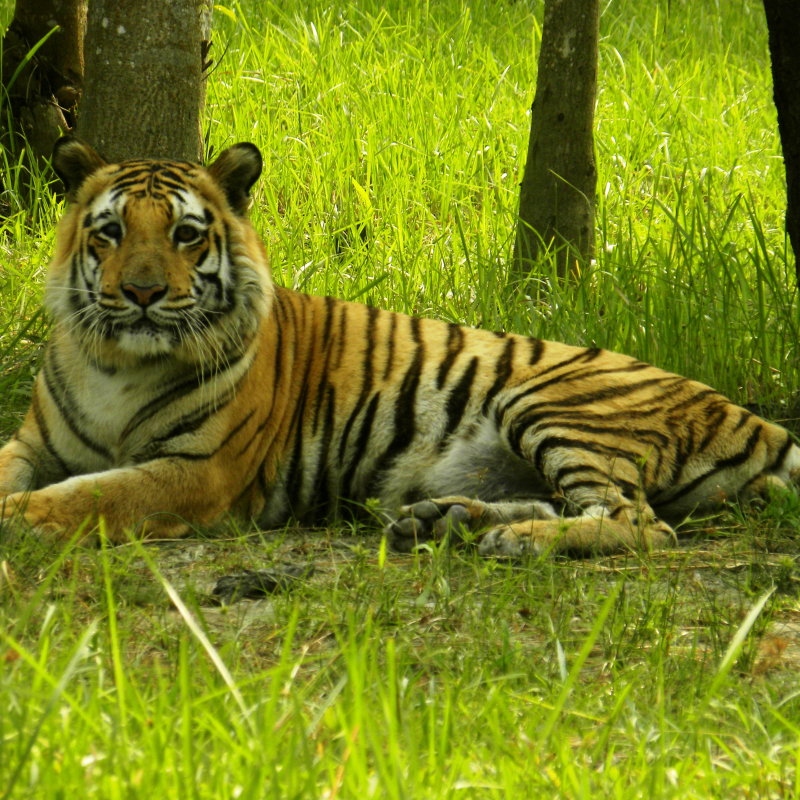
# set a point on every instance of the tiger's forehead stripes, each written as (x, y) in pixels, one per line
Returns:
(170, 205)
(156, 179)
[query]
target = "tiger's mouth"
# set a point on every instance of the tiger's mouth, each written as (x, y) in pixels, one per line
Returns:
(144, 325)
(185, 335)
(145, 337)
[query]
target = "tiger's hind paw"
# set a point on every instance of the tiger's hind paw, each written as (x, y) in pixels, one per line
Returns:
(426, 521)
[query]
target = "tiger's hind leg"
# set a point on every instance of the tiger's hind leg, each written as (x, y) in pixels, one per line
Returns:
(597, 531)
(759, 490)
(519, 527)
(432, 520)
(606, 509)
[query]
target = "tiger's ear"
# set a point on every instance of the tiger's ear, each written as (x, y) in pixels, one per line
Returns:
(236, 170)
(74, 161)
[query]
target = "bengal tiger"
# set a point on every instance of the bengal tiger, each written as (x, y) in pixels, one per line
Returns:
(181, 385)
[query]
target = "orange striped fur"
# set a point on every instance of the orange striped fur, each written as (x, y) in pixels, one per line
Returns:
(180, 385)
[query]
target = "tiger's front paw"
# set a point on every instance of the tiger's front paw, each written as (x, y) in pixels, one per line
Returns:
(426, 521)
(21, 514)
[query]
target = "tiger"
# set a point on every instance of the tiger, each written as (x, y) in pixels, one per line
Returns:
(182, 386)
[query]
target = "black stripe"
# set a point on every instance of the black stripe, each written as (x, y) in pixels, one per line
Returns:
(189, 423)
(276, 379)
(176, 392)
(213, 279)
(712, 426)
(743, 455)
(278, 368)
(582, 374)
(322, 490)
(405, 424)
(537, 350)
(551, 442)
(537, 387)
(721, 464)
(233, 269)
(455, 344)
(342, 334)
(295, 472)
(279, 305)
(781, 457)
(201, 259)
(744, 415)
(249, 442)
(571, 470)
(693, 400)
(322, 386)
(168, 173)
(45, 434)
(237, 429)
(535, 412)
(59, 391)
(585, 484)
(685, 450)
(459, 397)
(647, 435)
(127, 181)
(326, 333)
(361, 445)
(366, 383)
(325, 346)
(216, 280)
(390, 354)
(294, 479)
(502, 372)
(195, 419)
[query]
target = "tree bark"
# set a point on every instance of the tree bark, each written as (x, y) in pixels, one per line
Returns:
(783, 24)
(556, 208)
(144, 79)
(43, 95)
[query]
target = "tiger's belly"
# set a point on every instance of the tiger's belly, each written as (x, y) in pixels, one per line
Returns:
(475, 462)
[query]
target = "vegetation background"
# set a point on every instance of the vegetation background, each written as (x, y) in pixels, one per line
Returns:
(393, 135)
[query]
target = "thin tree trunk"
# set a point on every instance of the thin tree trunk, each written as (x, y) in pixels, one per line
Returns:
(783, 23)
(43, 95)
(144, 86)
(556, 208)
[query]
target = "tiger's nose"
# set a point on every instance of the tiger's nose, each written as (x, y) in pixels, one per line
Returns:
(144, 295)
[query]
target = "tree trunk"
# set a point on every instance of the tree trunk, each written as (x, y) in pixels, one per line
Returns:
(783, 23)
(144, 81)
(556, 207)
(43, 95)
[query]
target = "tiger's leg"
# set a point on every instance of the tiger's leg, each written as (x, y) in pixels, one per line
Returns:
(609, 527)
(759, 490)
(532, 526)
(432, 520)
(608, 511)
(128, 499)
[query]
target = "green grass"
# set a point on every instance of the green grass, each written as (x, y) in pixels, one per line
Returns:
(394, 136)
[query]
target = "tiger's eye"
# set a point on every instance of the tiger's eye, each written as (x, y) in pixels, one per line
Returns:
(186, 233)
(112, 230)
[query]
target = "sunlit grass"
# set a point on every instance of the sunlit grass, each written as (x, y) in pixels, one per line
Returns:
(394, 137)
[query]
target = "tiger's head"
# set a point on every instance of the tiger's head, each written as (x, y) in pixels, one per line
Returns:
(157, 259)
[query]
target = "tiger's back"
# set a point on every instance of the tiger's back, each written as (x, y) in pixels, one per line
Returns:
(180, 384)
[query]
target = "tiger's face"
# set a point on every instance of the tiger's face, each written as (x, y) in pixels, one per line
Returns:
(155, 258)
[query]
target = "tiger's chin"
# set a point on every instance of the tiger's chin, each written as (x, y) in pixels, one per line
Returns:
(134, 348)
(146, 344)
